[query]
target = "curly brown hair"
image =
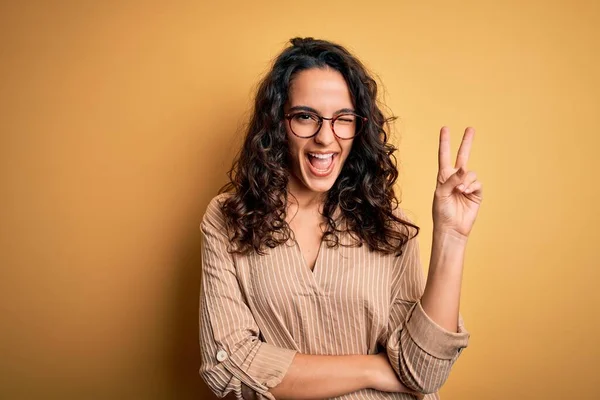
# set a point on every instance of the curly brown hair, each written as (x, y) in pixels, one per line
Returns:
(255, 213)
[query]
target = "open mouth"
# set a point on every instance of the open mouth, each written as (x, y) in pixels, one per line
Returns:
(321, 164)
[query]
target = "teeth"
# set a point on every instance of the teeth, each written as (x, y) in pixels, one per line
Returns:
(321, 155)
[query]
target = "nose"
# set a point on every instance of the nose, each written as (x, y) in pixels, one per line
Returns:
(325, 136)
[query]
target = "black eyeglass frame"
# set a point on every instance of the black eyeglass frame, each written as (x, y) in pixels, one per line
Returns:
(289, 117)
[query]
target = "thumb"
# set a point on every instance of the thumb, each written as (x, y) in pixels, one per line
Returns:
(446, 188)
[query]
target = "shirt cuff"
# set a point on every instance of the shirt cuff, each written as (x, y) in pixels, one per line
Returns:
(434, 339)
(270, 364)
(261, 369)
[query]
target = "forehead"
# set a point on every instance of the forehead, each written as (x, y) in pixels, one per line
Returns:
(323, 89)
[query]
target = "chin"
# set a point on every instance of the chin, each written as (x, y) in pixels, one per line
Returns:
(318, 187)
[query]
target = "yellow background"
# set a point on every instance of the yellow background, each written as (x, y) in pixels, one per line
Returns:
(119, 120)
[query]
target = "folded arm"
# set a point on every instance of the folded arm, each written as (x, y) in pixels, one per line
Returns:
(422, 349)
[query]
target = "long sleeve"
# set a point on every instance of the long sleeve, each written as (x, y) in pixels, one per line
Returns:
(421, 352)
(234, 359)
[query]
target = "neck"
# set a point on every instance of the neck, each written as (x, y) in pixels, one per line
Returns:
(304, 198)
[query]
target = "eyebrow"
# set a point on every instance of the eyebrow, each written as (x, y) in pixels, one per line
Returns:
(310, 109)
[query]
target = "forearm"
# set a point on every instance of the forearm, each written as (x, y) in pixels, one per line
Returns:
(319, 377)
(441, 298)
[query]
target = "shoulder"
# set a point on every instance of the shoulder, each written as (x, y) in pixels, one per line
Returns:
(405, 216)
(214, 205)
(403, 213)
(213, 216)
(399, 212)
(408, 229)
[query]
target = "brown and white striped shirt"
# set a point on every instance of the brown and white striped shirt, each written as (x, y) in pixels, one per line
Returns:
(256, 312)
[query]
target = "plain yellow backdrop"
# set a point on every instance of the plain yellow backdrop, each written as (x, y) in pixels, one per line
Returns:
(119, 120)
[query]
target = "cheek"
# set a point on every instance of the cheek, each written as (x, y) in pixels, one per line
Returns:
(347, 148)
(294, 147)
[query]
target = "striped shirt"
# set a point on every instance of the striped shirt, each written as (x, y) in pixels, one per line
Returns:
(257, 312)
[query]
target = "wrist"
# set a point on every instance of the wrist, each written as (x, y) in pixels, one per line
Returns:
(369, 371)
(448, 251)
(449, 235)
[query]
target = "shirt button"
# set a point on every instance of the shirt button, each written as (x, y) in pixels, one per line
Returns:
(221, 355)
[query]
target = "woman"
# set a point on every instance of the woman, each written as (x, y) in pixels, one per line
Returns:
(312, 285)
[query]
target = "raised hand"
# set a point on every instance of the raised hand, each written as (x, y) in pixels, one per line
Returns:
(458, 193)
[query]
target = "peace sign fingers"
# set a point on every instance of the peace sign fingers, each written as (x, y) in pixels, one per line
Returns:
(444, 157)
(465, 148)
(458, 192)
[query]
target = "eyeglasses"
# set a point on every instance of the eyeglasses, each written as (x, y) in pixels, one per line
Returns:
(306, 124)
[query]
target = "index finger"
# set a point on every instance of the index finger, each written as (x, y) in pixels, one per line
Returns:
(444, 149)
(465, 148)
